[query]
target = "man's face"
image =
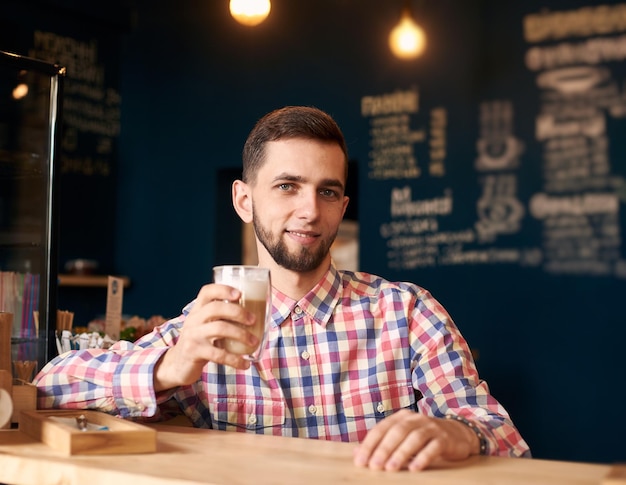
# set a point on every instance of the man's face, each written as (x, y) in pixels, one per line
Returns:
(298, 201)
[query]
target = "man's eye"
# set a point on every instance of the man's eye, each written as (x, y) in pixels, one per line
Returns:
(285, 186)
(329, 193)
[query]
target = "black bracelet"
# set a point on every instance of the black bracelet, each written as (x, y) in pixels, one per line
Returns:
(481, 437)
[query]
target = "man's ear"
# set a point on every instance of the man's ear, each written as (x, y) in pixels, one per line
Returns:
(242, 200)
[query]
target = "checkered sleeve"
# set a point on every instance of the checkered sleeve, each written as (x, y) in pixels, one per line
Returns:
(445, 374)
(118, 380)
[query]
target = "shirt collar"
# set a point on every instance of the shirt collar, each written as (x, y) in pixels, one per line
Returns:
(318, 304)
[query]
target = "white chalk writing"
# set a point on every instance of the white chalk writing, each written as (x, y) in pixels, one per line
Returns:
(582, 22)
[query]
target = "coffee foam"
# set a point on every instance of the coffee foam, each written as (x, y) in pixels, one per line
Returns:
(254, 290)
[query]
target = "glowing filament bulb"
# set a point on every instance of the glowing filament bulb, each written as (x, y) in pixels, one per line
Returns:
(250, 12)
(407, 40)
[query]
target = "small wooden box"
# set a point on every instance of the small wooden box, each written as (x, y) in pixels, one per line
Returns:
(121, 437)
(24, 398)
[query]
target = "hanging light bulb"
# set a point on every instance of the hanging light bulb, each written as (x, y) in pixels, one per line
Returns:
(407, 39)
(250, 12)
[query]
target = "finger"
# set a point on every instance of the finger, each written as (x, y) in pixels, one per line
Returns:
(398, 447)
(382, 440)
(219, 331)
(363, 453)
(216, 291)
(405, 451)
(428, 454)
(214, 332)
(184, 362)
(218, 310)
(201, 344)
(221, 356)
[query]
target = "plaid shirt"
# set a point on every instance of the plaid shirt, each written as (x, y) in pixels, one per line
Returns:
(352, 351)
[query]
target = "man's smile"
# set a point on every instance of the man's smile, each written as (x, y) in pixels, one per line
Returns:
(303, 236)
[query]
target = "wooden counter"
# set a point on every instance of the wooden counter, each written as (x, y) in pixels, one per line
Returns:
(192, 456)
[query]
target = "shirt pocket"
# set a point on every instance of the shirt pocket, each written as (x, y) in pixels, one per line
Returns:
(378, 401)
(249, 414)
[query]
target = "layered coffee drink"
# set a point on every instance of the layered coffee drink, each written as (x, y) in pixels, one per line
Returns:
(255, 286)
(254, 299)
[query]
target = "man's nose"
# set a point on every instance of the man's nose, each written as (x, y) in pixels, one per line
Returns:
(308, 205)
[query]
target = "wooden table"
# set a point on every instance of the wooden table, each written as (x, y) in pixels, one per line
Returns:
(192, 456)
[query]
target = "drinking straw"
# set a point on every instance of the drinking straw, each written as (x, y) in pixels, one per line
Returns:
(29, 304)
(18, 296)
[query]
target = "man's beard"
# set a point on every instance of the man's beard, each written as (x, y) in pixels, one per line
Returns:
(305, 260)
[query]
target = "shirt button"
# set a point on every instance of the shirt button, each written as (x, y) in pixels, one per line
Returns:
(312, 409)
(380, 408)
(305, 355)
(140, 406)
(298, 310)
(252, 419)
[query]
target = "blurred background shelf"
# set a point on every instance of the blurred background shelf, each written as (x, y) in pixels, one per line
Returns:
(100, 281)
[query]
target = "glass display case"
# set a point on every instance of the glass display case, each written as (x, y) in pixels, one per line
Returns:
(30, 111)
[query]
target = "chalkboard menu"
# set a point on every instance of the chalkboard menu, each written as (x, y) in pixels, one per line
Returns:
(511, 211)
(577, 203)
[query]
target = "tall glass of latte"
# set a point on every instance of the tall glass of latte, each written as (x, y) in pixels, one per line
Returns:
(256, 297)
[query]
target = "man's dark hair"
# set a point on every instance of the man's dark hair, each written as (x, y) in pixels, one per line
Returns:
(285, 123)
